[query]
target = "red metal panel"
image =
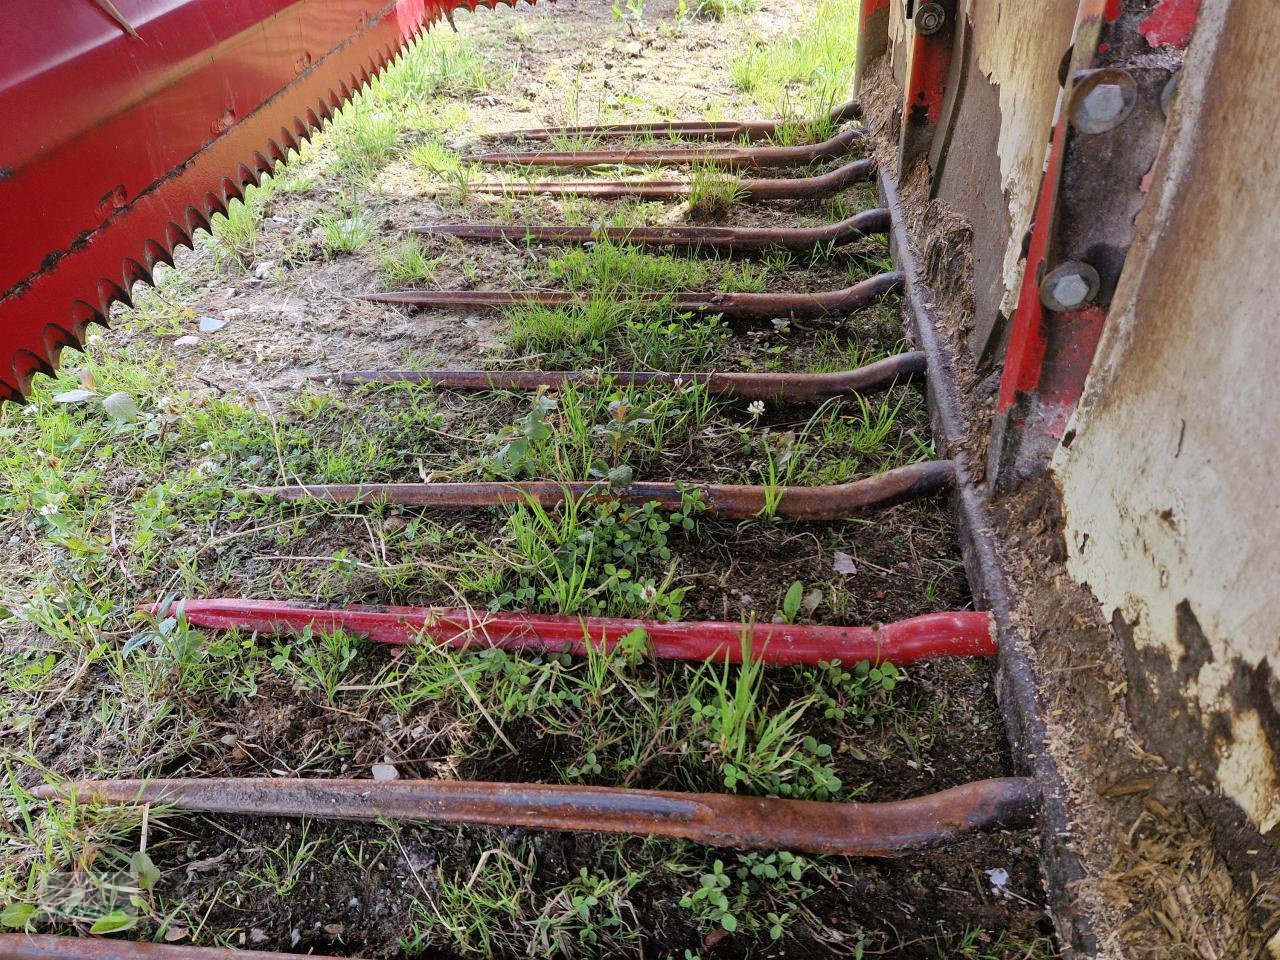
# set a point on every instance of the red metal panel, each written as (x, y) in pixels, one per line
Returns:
(118, 147)
(925, 90)
(873, 36)
(1085, 207)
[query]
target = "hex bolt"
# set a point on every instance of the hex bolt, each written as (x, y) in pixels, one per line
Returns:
(1100, 100)
(929, 19)
(1104, 103)
(1069, 286)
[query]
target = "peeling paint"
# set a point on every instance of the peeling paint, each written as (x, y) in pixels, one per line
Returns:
(1171, 23)
(1168, 484)
(1019, 47)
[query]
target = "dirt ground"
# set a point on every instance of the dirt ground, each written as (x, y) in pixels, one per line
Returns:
(230, 366)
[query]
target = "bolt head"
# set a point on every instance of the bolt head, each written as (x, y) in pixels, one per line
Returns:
(1104, 103)
(1070, 290)
(929, 19)
(1069, 286)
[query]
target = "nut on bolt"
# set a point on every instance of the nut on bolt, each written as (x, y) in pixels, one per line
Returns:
(1069, 286)
(930, 18)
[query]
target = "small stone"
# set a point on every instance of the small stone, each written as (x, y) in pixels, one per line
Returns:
(258, 935)
(190, 340)
(232, 313)
(175, 933)
(843, 564)
(262, 269)
(384, 771)
(334, 929)
(211, 324)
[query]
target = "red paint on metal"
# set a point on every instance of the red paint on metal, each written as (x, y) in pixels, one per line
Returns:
(1028, 340)
(926, 84)
(132, 144)
(873, 35)
(1171, 23)
(956, 634)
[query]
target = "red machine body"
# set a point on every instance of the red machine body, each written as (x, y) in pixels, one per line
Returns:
(124, 134)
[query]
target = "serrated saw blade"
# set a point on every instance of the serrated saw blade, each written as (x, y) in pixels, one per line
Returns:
(126, 129)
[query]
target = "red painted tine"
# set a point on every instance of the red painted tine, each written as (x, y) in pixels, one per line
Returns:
(951, 634)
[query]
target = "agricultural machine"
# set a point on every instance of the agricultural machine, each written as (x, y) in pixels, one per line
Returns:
(1080, 199)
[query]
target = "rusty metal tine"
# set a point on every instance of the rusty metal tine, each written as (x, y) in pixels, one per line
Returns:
(783, 387)
(722, 820)
(710, 129)
(951, 634)
(31, 946)
(731, 306)
(827, 503)
(746, 191)
(682, 237)
(729, 157)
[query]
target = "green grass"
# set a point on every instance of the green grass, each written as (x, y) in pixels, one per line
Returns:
(712, 191)
(408, 265)
(724, 9)
(804, 73)
(235, 235)
(343, 234)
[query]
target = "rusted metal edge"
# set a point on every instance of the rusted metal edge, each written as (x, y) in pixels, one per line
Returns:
(709, 129)
(739, 502)
(744, 191)
(933, 635)
(731, 158)
(30, 946)
(731, 306)
(1015, 683)
(722, 820)
(684, 237)
(781, 387)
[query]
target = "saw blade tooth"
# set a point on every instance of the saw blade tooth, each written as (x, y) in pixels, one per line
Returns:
(196, 219)
(135, 271)
(175, 235)
(108, 293)
(155, 253)
(276, 152)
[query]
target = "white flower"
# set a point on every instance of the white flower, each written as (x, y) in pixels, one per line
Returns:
(648, 593)
(48, 510)
(755, 408)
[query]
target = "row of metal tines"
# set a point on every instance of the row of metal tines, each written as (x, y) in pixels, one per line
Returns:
(830, 828)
